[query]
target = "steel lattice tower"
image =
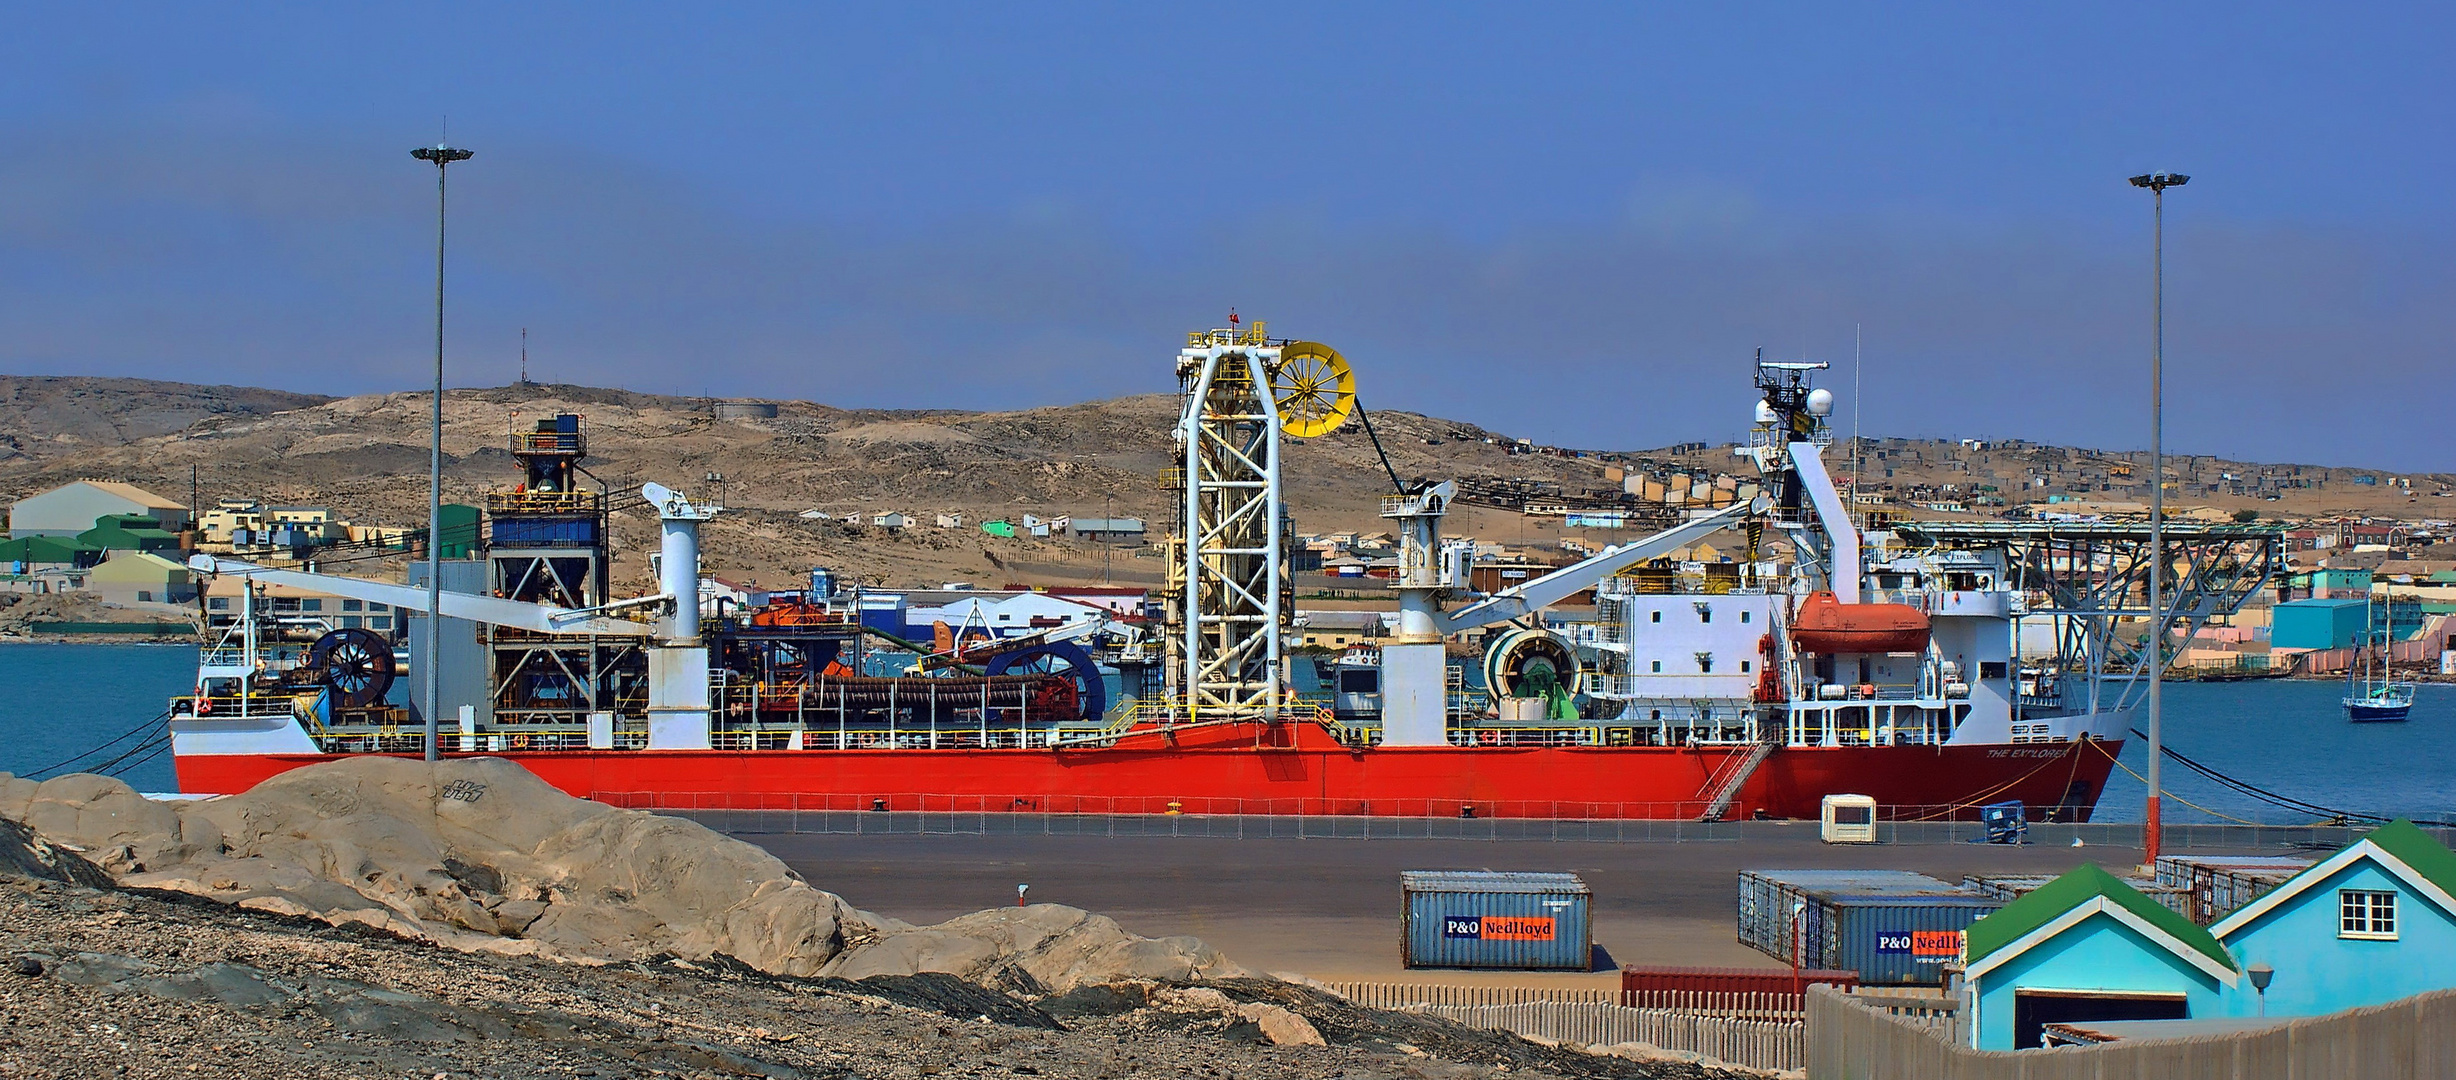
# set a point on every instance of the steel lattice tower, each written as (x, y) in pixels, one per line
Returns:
(1228, 590)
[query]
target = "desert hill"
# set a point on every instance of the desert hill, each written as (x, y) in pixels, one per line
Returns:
(366, 457)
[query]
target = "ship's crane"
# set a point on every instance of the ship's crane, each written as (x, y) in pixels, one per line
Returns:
(495, 611)
(1526, 598)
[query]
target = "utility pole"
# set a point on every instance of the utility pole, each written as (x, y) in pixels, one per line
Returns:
(2157, 183)
(443, 155)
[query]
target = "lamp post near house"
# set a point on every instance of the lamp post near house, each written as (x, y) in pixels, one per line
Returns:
(2157, 183)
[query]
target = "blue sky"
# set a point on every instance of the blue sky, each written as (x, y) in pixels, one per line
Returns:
(1571, 222)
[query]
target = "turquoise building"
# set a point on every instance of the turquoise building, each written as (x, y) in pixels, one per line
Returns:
(2087, 947)
(2373, 923)
(2334, 623)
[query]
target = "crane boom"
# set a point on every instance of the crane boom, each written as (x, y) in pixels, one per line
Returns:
(493, 610)
(1528, 597)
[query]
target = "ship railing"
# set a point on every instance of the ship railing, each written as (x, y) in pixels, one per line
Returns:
(1495, 735)
(1160, 805)
(405, 740)
(946, 738)
(222, 657)
(543, 502)
(549, 442)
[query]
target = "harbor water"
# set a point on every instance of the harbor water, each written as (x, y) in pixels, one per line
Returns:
(57, 701)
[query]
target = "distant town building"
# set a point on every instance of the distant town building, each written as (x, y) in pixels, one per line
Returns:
(74, 508)
(140, 577)
(1107, 529)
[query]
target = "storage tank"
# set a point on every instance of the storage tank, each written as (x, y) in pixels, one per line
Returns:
(1498, 920)
(1892, 927)
(746, 410)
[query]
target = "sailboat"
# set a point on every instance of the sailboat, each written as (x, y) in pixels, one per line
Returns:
(2380, 697)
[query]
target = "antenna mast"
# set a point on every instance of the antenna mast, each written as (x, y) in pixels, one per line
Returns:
(524, 356)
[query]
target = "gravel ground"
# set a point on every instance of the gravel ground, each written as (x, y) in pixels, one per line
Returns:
(98, 983)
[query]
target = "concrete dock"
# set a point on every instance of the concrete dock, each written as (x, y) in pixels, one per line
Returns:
(1329, 909)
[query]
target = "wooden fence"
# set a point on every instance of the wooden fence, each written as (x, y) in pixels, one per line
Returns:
(2412, 1039)
(1594, 1018)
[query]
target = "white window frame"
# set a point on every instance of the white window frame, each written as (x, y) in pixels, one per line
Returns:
(2364, 926)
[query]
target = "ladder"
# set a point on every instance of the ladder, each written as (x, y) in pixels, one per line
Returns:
(1727, 785)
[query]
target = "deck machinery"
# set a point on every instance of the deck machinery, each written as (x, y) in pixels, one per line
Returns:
(545, 543)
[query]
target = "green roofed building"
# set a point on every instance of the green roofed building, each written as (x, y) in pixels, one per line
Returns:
(129, 532)
(29, 553)
(2084, 947)
(2373, 923)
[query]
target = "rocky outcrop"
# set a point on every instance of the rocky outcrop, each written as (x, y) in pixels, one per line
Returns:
(480, 855)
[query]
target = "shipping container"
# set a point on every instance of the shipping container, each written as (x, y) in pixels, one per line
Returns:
(2215, 885)
(1892, 927)
(2011, 887)
(1483, 919)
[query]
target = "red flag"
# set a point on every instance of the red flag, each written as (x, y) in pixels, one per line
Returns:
(1232, 316)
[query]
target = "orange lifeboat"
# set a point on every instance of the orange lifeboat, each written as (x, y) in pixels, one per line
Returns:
(1827, 626)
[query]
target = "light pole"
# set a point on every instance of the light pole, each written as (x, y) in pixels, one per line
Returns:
(443, 156)
(2157, 183)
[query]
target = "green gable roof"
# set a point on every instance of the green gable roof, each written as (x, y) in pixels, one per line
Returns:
(122, 532)
(44, 549)
(2406, 843)
(2050, 901)
(2416, 849)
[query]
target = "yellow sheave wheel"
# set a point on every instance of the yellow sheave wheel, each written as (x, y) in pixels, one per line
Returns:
(1314, 389)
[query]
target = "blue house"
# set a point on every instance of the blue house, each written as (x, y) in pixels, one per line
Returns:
(2371, 924)
(2087, 947)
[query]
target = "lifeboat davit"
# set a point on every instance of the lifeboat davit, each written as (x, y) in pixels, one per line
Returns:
(1828, 626)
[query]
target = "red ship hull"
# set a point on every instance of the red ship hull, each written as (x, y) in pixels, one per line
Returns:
(1233, 771)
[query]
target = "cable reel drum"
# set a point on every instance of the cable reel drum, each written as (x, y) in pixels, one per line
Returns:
(354, 665)
(1314, 389)
(1527, 664)
(1071, 687)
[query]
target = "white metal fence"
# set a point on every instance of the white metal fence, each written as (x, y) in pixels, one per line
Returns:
(895, 820)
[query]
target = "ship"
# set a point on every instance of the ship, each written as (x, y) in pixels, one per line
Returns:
(1898, 663)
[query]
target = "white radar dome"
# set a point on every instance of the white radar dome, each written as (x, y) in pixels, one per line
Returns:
(1765, 413)
(1820, 403)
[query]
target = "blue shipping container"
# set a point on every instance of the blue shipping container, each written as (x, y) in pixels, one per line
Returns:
(1892, 927)
(1482, 919)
